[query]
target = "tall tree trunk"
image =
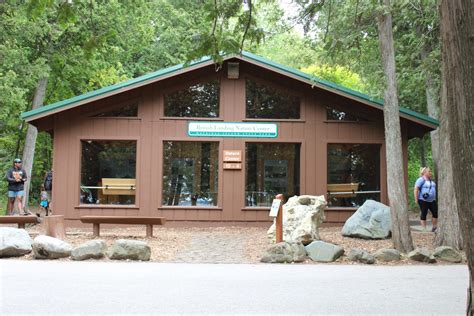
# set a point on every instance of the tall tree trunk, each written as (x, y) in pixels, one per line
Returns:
(449, 231)
(30, 140)
(397, 194)
(457, 99)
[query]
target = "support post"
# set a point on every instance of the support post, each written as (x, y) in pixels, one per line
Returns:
(279, 220)
(149, 230)
(96, 229)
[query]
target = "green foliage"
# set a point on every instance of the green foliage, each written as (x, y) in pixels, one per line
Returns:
(337, 74)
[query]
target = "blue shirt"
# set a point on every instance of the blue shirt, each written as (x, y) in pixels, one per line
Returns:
(426, 186)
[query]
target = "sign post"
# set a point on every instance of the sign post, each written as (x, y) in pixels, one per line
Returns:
(277, 211)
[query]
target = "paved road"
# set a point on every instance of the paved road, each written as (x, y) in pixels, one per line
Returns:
(54, 287)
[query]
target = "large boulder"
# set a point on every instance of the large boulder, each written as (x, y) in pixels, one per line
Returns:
(92, 249)
(124, 249)
(360, 255)
(324, 252)
(46, 247)
(14, 242)
(447, 254)
(422, 255)
(387, 254)
(371, 221)
(302, 216)
(284, 252)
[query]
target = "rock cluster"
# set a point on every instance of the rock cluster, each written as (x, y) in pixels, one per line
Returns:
(302, 216)
(371, 221)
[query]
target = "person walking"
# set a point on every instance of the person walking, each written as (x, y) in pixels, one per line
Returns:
(425, 196)
(16, 177)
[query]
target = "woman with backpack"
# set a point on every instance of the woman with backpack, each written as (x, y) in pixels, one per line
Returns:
(425, 196)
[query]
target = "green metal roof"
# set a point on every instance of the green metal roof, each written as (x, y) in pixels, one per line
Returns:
(43, 111)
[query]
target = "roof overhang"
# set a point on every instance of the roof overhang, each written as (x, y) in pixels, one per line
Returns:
(163, 74)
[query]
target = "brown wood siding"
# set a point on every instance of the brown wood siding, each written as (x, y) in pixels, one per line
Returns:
(151, 128)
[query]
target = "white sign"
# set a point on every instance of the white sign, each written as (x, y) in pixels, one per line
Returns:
(275, 207)
(231, 129)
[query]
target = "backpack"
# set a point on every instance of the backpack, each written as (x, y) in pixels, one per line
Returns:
(48, 181)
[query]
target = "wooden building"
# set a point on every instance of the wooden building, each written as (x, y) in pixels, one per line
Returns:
(208, 143)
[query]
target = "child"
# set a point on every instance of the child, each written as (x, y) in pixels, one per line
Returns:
(44, 204)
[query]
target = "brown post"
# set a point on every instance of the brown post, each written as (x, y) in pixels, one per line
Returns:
(53, 226)
(149, 230)
(279, 220)
(96, 229)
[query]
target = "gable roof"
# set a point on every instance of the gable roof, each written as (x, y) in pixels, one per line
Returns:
(206, 61)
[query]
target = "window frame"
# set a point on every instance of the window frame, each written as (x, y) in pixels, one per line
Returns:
(137, 174)
(382, 171)
(218, 206)
(302, 176)
(295, 92)
(165, 90)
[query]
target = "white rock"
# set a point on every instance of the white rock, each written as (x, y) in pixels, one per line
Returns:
(92, 249)
(14, 242)
(46, 247)
(301, 221)
(284, 252)
(124, 249)
(371, 221)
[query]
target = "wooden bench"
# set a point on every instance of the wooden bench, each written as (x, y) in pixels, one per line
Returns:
(21, 220)
(127, 220)
(343, 190)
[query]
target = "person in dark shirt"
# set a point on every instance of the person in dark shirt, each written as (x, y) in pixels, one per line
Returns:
(16, 177)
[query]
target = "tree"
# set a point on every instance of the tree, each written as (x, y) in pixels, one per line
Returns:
(401, 235)
(457, 98)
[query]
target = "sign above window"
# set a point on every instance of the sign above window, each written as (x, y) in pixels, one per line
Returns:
(231, 129)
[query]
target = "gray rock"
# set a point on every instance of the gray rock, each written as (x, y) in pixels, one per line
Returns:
(92, 249)
(422, 255)
(284, 252)
(360, 255)
(371, 221)
(387, 254)
(14, 242)
(447, 254)
(302, 217)
(124, 249)
(324, 252)
(46, 247)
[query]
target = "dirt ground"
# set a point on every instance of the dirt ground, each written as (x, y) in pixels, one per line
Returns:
(218, 244)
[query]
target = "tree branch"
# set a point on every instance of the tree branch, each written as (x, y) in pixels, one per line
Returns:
(248, 25)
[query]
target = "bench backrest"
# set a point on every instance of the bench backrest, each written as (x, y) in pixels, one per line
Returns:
(346, 190)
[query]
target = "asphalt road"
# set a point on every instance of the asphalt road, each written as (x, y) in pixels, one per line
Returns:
(62, 287)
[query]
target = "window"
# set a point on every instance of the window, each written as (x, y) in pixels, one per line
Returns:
(336, 115)
(199, 100)
(271, 169)
(108, 169)
(126, 111)
(190, 173)
(353, 174)
(266, 102)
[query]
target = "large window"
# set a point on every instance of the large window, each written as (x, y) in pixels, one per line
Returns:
(353, 174)
(198, 100)
(265, 102)
(190, 172)
(271, 169)
(108, 169)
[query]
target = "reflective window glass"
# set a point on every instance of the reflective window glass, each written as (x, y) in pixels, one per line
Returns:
(198, 100)
(271, 169)
(108, 169)
(336, 115)
(126, 111)
(353, 174)
(190, 173)
(263, 101)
